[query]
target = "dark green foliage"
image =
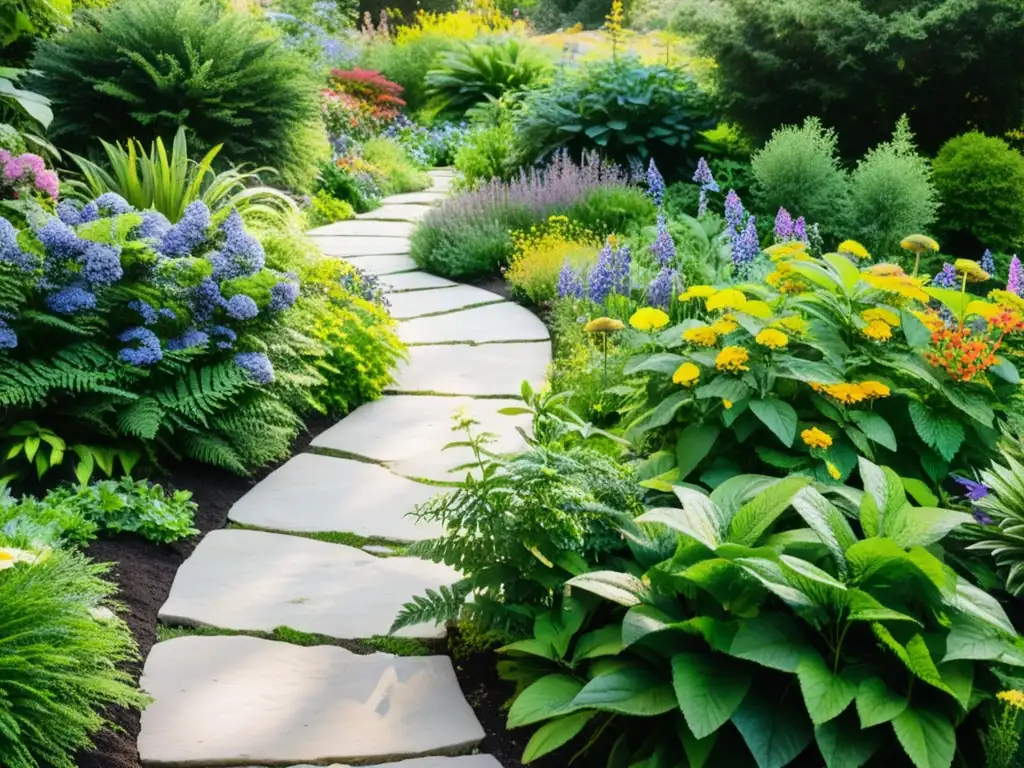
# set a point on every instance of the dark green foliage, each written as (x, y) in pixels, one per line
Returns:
(61, 657)
(482, 72)
(860, 64)
(551, 15)
(142, 69)
(344, 185)
(621, 108)
(614, 210)
(980, 181)
(407, 64)
(76, 514)
(459, 246)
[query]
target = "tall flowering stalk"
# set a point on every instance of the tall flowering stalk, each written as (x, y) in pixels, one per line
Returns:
(664, 247)
(707, 183)
(1015, 280)
(988, 262)
(655, 184)
(783, 226)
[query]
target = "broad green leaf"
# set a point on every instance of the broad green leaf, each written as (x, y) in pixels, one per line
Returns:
(643, 620)
(886, 491)
(1006, 371)
(971, 403)
(981, 605)
(822, 588)
(697, 750)
(621, 588)
(772, 640)
(665, 411)
(779, 416)
(817, 275)
(775, 730)
(757, 516)
(781, 459)
(694, 520)
(660, 362)
(972, 639)
(709, 688)
(606, 641)
(943, 433)
(543, 699)
(920, 492)
(928, 739)
(864, 607)
(829, 523)
(718, 634)
(726, 388)
(771, 575)
(959, 678)
(555, 734)
(955, 300)
(627, 691)
(914, 331)
(848, 273)
(842, 745)
(826, 694)
(532, 647)
(923, 526)
(737, 491)
(656, 464)
(875, 427)
(728, 583)
(915, 656)
(694, 444)
(876, 704)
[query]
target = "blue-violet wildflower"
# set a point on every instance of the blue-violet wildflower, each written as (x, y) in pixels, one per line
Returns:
(257, 365)
(147, 352)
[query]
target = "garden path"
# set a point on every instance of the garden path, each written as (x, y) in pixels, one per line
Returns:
(316, 547)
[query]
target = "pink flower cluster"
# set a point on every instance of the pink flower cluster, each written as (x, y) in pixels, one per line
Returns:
(28, 171)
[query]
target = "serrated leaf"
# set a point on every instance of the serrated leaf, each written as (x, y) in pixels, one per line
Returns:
(757, 515)
(779, 416)
(709, 689)
(543, 699)
(622, 588)
(875, 427)
(555, 734)
(826, 695)
(928, 739)
(643, 620)
(771, 640)
(923, 526)
(876, 704)
(941, 432)
(627, 691)
(842, 745)
(726, 388)
(606, 641)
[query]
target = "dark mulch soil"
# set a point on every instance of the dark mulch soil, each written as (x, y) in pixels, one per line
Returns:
(145, 571)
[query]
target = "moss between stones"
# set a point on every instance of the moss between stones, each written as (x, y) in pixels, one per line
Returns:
(399, 646)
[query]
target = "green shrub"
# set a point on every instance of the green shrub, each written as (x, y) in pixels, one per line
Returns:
(614, 210)
(477, 73)
(61, 657)
(463, 246)
(407, 64)
(399, 173)
(980, 181)
(798, 169)
(486, 154)
(147, 67)
(620, 108)
(324, 209)
(353, 181)
(891, 194)
(77, 514)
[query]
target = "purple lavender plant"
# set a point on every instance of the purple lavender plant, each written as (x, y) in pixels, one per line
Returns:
(746, 247)
(1015, 280)
(655, 184)
(800, 230)
(659, 292)
(257, 365)
(988, 262)
(946, 277)
(664, 247)
(148, 351)
(783, 226)
(707, 183)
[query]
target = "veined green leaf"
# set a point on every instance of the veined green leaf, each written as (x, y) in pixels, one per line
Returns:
(828, 522)
(876, 704)
(772, 640)
(757, 516)
(694, 444)
(555, 734)
(709, 688)
(959, 678)
(981, 605)
(627, 691)
(928, 738)
(843, 745)
(543, 699)
(875, 427)
(661, 362)
(923, 526)
(621, 588)
(848, 273)
(914, 331)
(943, 433)
(779, 416)
(606, 641)
(643, 620)
(826, 694)
(775, 730)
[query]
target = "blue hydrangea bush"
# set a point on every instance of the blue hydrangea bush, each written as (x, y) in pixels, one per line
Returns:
(120, 329)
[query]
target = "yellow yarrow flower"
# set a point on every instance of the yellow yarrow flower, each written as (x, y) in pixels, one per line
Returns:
(971, 270)
(816, 438)
(853, 248)
(686, 374)
(725, 325)
(873, 389)
(648, 319)
(732, 359)
(603, 325)
(1012, 698)
(833, 470)
(877, 330)
(772, 338)
(697, 292)
(1006, 299)
(704, 336)
(728, 298)
(880, 313)
(918, 243)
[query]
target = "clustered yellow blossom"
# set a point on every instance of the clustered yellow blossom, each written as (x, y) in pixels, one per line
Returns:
(732, 359)
(725, 325)
(697, 292)
(794, 324)
(853, 248)
(728, 298)
(971, 270)
(816, 438)
(1012, 698)
(880, 313)
(899, 284)
(918, 243)
(603, 325)
(833, 470)
(1006, 299)
(686, 374)
(648, 319)
(878, 330)
(794, 250)
(704, 336)
(851, 393)
(772, 338)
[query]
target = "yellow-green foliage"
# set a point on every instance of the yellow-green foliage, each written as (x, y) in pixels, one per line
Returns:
(398, 172)
(540, 253)
(324, 208)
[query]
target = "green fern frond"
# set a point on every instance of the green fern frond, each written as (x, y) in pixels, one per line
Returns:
(199, 394)
(142, 418)
(211, 449)
(436, 607)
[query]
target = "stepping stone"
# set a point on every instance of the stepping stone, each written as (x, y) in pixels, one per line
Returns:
(359, 228)
(320, 494)
(459, 369)
(415, 198)
(383, 265)
(363, 246)
(256, 581)
(467, 761)
(245, 701)
(414, 281)
(415, 303)
(397, 213)
(497, 322)
(408, 432)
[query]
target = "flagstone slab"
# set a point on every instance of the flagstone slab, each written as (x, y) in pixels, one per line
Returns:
(349, 247)
(397, 213)
(408, 432)
(251, 580)
(237, 701)
(460, 369)
(384, 265)
(416, 198)
(360, 228)
(414, 281)
(405, 306)
(466, 761)
(496, 322)
(320, 494)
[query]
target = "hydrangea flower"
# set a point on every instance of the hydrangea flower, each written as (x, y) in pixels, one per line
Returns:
(746, 247)
(112, 204)
(154, 226)
(147, 352)
(206, 299)
(8, 338)
(60, 242)
(241, 255)
(145, 311)
(189, 233)
(283, 295)
(190, 338)
(48, 183)
(224, 337)
(733, 212)
(946, 277)
(71, 300)
(659, 292)
(68, 213)
(664, 247)
(783, 225)
(168, 314)
(988, 263)
(241, 307)
(655, 184)
(102, 264)
(10, 251)
(1015, 280)
(257, 365)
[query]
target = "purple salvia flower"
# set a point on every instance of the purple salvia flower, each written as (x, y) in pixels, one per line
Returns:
(664, 247)
(988, 263)
(1015, 280)
(946, 277)
(659, 292)
(703, 177)
(655, 184)
(570, 282)
(800, 230)
(783, 225)
(746, 247)
(733, 212)
(973, 490)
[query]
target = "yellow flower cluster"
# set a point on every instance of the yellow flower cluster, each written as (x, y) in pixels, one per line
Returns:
(725, 325)
(772, 338)
(971, 270)
(816, 438)
(881, 313)
(697, 292)
(1007, 299)
(853, 248)
(918, 243)
(851, 393)
(877, 330)
(468, 24)
(732, 359)
(728, 298)
(648, 319)
(703, 336)
(794, 324)
(902, 285)
(795, 250)
(930, 319)
(540, 252)
(686, 374)
(1012, 698)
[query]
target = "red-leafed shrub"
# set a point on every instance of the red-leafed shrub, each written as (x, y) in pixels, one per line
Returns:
(367, 84)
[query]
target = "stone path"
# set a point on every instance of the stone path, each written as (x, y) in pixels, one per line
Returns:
(238, 700)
